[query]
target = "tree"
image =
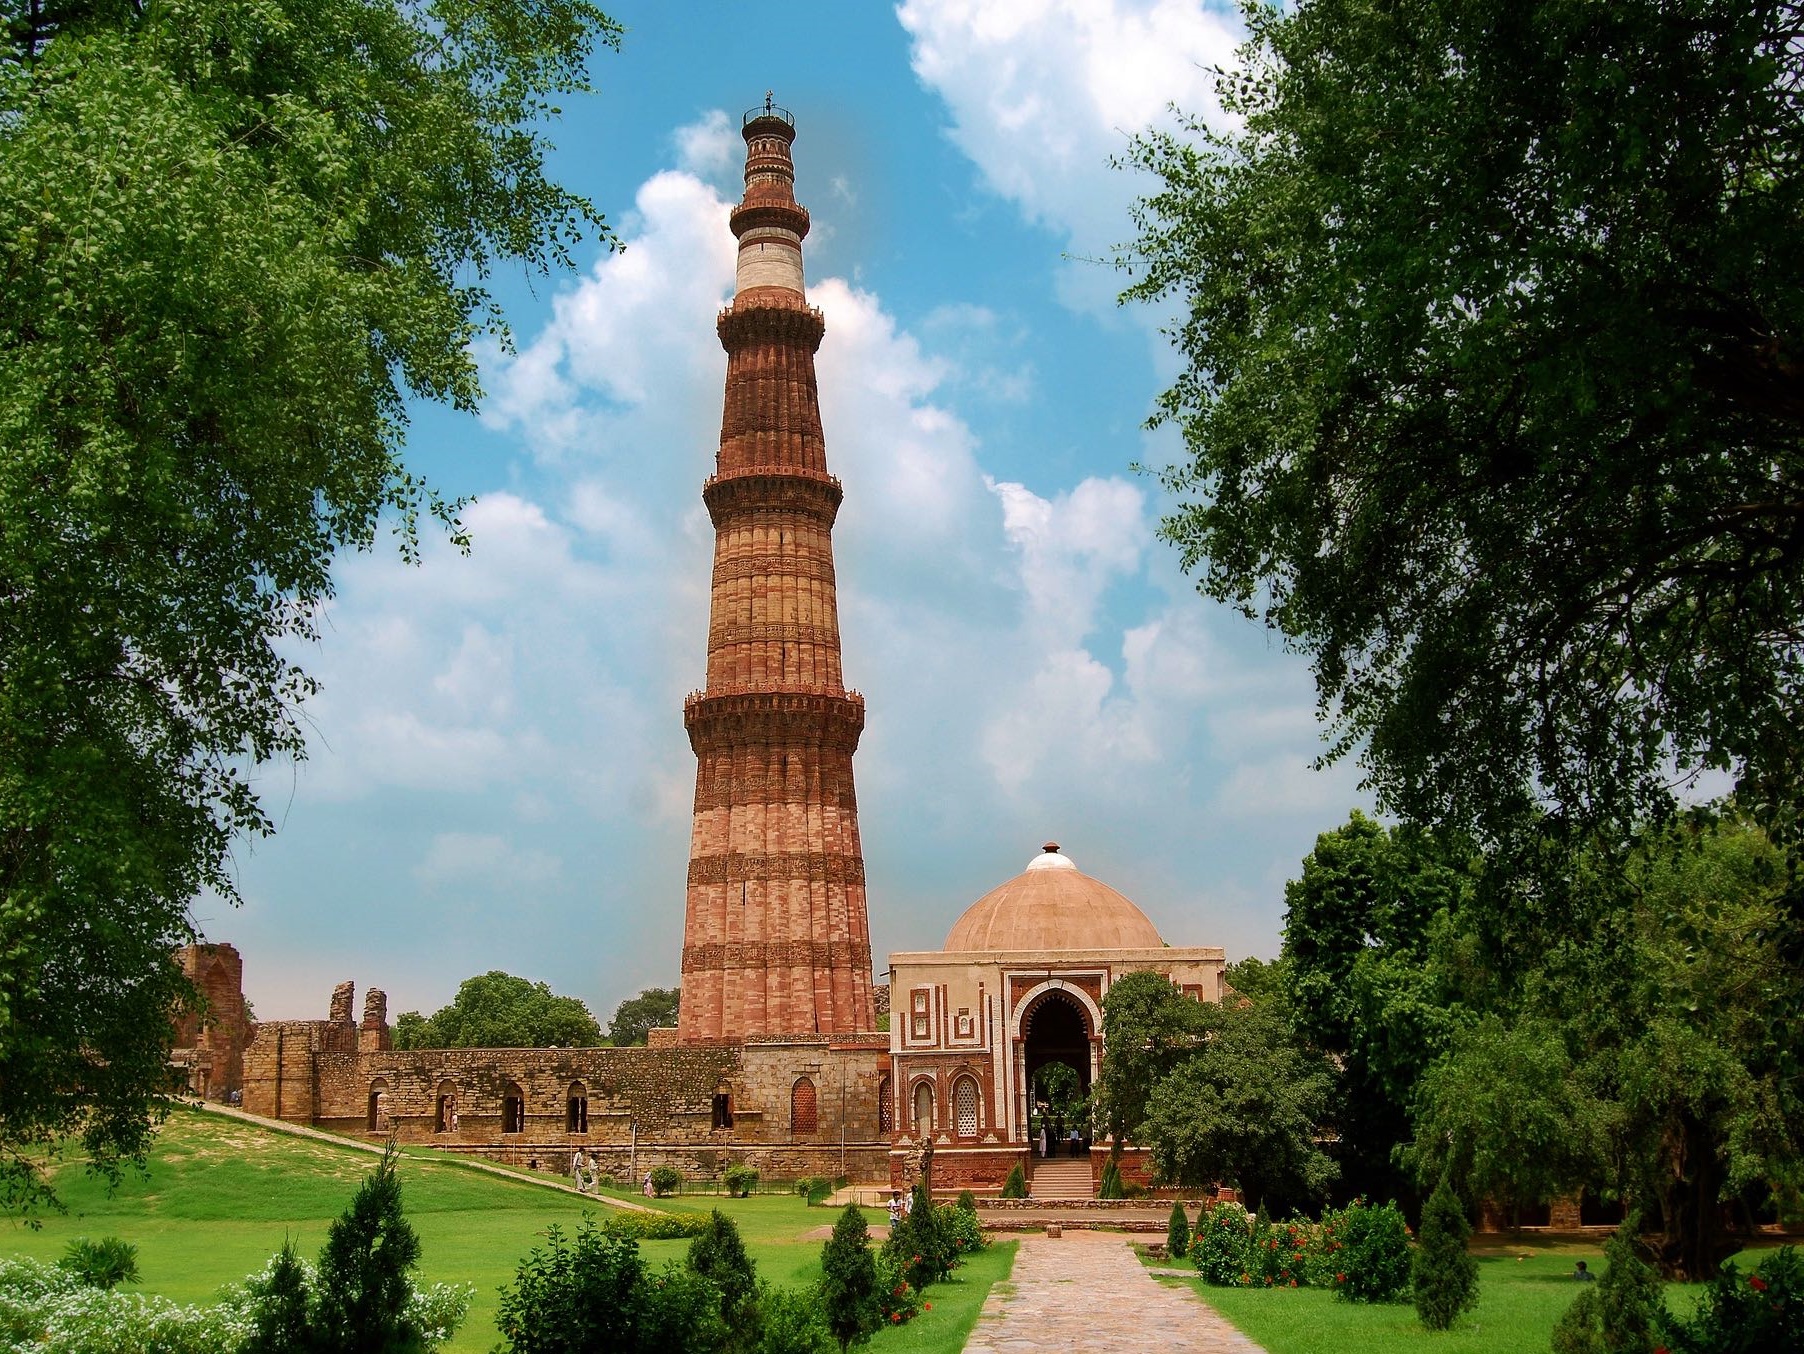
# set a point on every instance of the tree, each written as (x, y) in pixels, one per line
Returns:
(1507, 1118)
(1492, 321)
(1177, 1231)
(235, 239)
(1444, 1278)
(718, 1255)
(654, 1008)
(1243, 1107)
(849, 1280)
(1148, 1027)
(361, 1303)
(498, 1010)
(1624, 1312)
(1375, 977)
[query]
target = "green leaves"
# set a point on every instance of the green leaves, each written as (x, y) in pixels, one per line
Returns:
(498, 1010)
(235, 237)
(1485, 311)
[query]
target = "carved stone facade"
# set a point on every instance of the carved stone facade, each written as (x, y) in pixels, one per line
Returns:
(776, 937)
(971, 1029)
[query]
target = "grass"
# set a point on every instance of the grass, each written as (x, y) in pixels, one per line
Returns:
(1525, 1284)
(220, 1195)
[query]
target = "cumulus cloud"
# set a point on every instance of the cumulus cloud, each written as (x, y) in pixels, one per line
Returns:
(1042, 93)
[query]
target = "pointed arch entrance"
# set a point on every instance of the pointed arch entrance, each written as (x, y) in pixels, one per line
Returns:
(1056, 1030)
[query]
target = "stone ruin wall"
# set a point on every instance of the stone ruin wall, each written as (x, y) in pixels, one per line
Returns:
(646, 1106)
(208, 1043)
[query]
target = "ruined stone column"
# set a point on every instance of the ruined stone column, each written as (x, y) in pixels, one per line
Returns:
(776, 938)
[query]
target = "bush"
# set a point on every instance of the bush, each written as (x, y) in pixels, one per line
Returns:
(814, 1189)
(1015, 1187)
(279, 1307)
(665, 1180)
(1444, 1278)
(919, 1246)
(850, 1301)
(649, 1226)
(581, 1294)
(967, 1201)
(897, 1302)
(1375, 1246)
(1623, 1312)
(104, 1264)
(1110, 1185)
(1222, 1245)
(718, 1255)
(361, 1299)
(739, 1181)
(679, 1310)
(959, 1226)
(792, 1321)
(1177, 1232)
(1744, 1315)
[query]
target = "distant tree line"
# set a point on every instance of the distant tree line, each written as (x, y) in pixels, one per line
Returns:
(499, 1010)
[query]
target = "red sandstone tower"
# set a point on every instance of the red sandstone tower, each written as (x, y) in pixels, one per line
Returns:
(776, 940)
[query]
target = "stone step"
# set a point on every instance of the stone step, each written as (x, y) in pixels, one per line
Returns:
(1057, 1179)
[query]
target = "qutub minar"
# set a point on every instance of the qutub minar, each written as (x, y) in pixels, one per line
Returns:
(776, 939)
(777, 1059)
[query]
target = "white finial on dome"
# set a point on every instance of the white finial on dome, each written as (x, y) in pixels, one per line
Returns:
(1050, 859)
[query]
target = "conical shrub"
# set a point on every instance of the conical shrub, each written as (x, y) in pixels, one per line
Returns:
(1444, 1277)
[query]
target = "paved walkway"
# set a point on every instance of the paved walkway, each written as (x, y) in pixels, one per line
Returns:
(1089, 1291)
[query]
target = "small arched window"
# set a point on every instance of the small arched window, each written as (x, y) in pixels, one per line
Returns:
(378, 1107)
(445, 1114)
(576, 1109)
(924, 1107)
(964, 1106)
(804, 1108)
(886, 1114)
(513, 1109)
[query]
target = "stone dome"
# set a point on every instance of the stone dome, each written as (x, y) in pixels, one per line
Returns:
(1053, 905)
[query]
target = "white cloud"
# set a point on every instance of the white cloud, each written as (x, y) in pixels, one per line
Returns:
(1043, 92)
(708, 148)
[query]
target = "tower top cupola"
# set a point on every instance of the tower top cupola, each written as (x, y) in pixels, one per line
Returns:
(769, 223)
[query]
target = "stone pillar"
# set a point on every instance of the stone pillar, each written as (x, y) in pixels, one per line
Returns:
(373, 1035)
(776, 939)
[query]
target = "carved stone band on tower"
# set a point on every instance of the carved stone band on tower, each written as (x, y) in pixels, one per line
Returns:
(776, 938)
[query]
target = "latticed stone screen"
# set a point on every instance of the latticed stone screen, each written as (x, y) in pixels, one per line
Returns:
(886, 1118)
(804, 1112)
(964, 1102)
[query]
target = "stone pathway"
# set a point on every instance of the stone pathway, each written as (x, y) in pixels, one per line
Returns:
(1089, 1291)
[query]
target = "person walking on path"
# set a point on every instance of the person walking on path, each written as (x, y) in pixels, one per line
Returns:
(1042, 1140)
(1075, 1140)
(895, 1209)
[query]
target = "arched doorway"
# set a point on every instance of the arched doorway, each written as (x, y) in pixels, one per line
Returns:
(377, 1118)
(1055, 1031)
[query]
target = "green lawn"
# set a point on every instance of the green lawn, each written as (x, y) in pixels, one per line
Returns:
(1524, 1286)
(221, 1194)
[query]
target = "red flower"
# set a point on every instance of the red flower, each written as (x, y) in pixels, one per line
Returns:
(1293, 1283)
(929, 1306)
(1757, 1283)
(895, 1316)
(1340, 1278)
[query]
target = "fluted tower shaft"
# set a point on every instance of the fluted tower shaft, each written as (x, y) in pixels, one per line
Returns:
(776, 939)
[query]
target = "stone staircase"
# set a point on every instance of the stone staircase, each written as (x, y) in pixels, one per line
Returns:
(1062, 1178)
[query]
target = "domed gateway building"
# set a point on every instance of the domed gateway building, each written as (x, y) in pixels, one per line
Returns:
(976, 1029)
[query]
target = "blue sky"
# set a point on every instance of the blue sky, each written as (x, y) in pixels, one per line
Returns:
(498, 775)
